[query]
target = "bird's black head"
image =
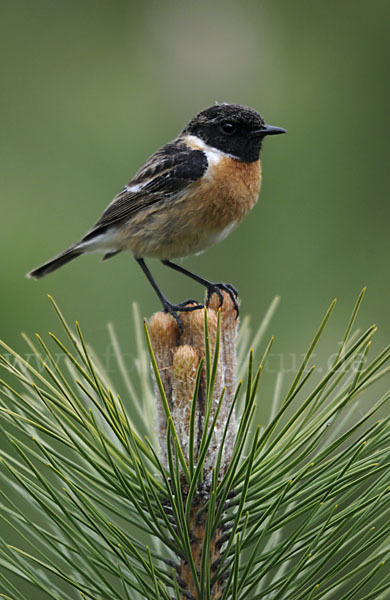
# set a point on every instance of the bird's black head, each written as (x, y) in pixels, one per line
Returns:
(232, 128)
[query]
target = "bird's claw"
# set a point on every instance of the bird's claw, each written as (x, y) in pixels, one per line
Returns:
(218, 288)
(184, 305)
(174, 309)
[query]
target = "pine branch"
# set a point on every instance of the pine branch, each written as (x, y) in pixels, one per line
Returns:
(207, 505)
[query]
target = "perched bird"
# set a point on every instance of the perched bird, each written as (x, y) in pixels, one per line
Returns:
(189, 195)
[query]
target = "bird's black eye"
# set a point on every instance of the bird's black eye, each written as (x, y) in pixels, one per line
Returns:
(227, 128)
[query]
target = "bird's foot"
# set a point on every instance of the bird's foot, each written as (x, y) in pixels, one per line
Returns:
(174, 309)
(218, 288)
(184, 306)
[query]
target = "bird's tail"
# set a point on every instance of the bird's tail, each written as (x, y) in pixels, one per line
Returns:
(55, 263)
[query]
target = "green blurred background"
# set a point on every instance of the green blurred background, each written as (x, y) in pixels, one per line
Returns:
(91, 89)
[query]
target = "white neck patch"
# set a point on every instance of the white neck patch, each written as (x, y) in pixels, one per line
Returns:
(213, 154)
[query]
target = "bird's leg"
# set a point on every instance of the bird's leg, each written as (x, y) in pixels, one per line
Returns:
(168, 307)
(209, 285)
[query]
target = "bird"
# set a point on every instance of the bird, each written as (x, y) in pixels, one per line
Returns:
(190, 194)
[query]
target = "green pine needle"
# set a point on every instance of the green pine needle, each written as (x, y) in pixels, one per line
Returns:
(301, 511)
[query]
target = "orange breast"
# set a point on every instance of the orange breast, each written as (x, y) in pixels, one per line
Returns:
(226, 193)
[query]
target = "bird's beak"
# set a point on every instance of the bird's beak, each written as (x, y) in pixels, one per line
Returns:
(269, 130)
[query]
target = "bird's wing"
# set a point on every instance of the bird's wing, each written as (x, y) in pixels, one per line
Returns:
(169, 171)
